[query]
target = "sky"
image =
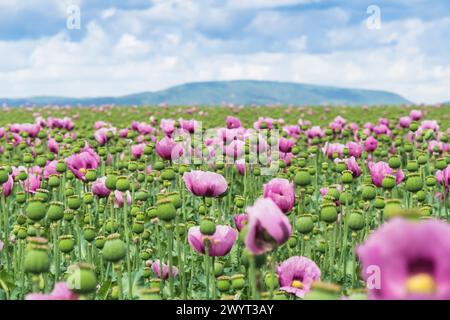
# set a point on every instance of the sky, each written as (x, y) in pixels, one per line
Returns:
(124, 47)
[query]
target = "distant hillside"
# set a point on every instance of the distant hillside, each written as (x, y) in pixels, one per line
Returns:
(237, 92)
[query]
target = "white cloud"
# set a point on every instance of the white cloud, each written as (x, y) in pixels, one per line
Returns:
(127, 51)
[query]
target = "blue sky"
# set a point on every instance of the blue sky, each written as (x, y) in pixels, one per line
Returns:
(143, 45)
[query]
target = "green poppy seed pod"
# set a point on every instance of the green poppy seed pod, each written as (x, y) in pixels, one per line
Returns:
(426, 210)
(176, 199)
(55, 211)
(89, 233)
(207, 226)
(22, 233)
(414, 182)
(110, 182)
(69, 192)
(341, 166)
(41, 161)
(389, 181)
(138, 227)
(152, 212)
(155, 283)
(91, 175)
(152, 293)
(430, 181)
(35, 210)
(88, 198)
(302, 178)
(422, 159)
(333, 192)
(271, 281)
(346, 198)
(347, 177)
(408, 147)
(28, 158)
(53, 181)
(441, 164)
(328, 212)
(237, 281)
(368, 192)
(36, 257)
(147, 272)
(82, 279)
(145, 254)
(292, 241)
(168, 174)
(223, 283)
(305, 224)
(132, 166)
(356, 221)
(421, 195)
(413, 126)
(392, 208)
(21, 198)
(122, 184)
(42, 195)
(22, 176)
(148, 150)
(68, 215)
(114, 249)
(394, 162)
(31, 231)
(61, 166)
(74, 202)
(100, 242)
(218, 268)
(321, 245)
(412, 166)
(159, 165)
(379, 203)
(111, 226)
(66, 243)
(142, 195)
(166, 210)
(239, 201)
(324, 291)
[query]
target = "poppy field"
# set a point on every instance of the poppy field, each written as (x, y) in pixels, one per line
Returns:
(226, 202)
